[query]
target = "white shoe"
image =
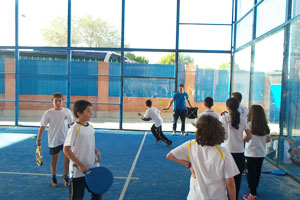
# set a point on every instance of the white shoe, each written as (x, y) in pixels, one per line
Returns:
(184, 133)
(174, 133)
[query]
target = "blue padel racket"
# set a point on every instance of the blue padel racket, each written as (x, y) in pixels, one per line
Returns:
(99, 180)
(276, 172)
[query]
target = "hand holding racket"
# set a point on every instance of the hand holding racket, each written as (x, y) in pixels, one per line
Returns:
(99, 180)
(39, 156)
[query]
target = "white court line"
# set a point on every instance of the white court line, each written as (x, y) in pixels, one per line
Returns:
(132, 169)
(38, 174)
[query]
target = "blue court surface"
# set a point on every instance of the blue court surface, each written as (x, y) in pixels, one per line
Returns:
(140, 168)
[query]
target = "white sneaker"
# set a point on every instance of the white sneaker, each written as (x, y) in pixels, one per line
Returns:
(174, 133)
(184, 133)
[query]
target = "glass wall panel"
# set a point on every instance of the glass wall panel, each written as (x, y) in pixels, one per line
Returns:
(270, 13)
(150, 24)
(42, 26)
(7, 87)
(137, 91)
(210, 37)
(105, 116)
(292, 114)
(244, 30)
(241, 74)
(296, 8)
(195, 11)
(31, 113)
(243, 6)
(205, 75)
(7, 23)
(96, 23)
(267, 84)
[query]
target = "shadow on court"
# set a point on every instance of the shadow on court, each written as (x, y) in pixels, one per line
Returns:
(140, 168)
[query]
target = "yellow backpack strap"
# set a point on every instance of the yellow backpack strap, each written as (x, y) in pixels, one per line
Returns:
(220, 152)
(78, 129)
(188, 148)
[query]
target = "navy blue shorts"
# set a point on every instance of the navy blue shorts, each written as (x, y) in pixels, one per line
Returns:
(55, 150)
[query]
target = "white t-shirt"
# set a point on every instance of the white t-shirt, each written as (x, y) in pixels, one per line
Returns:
(212, 164)
(256, 146)
(58, 121)
(234, 137)
(243, 111)
(83, 146)
(154, 113)
(210, 112)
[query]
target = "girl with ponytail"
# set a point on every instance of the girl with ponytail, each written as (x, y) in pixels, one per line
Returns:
(234, 125)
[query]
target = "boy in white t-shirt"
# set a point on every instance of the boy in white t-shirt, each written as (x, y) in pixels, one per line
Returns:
(58, 119)
(208, 103)
(80, 148)
(156, 129)
(212, 166)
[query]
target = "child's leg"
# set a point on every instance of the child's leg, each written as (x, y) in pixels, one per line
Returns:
(77, 188)
(162, 136)
(240, 163)
(96, 196)
(154, 132)
(54, 162)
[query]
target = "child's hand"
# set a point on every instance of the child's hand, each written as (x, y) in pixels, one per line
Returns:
(98, 154)
(193, 172)
(38, 142)
(83, 168)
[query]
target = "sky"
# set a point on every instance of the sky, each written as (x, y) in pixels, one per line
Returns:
(148, 24)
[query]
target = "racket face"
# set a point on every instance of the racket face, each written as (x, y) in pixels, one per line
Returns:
(99, 180)
(39, 156)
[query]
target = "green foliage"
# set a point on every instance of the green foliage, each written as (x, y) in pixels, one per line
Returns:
(86, 31)
(138, 59)
(226, 66)
(170, 59)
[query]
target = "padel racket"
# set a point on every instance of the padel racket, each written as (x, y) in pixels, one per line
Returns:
(39, 156)
(276, 172)
(99, 180)
(165, 109)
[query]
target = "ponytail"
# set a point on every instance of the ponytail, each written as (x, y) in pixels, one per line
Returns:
(233, 105)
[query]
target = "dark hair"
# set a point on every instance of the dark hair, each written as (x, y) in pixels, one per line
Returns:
(80, 106)
(233, 105)
(57, 95)
(257, 118)
(181, 85)
(208, 102)
(149, 103)
(238, 96)
(209, 131)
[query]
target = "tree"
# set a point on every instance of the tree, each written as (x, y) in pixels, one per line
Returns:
(86, 31)
(170, 59)
(138, 59)
(226, 66)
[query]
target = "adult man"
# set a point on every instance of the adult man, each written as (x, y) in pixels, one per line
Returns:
(179, 108)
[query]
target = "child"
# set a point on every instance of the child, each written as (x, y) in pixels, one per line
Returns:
(208, 103)
(80, 148)
(212, 167)
(154, 114)
(234, 125)
(255, 149)
(58, 119)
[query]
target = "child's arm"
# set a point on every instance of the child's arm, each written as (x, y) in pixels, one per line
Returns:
(170, 156)
(143, 118)
(71, 156)
(41, 131)
(247, 137)
(268, 138)
(98, 154)
(231, 188)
